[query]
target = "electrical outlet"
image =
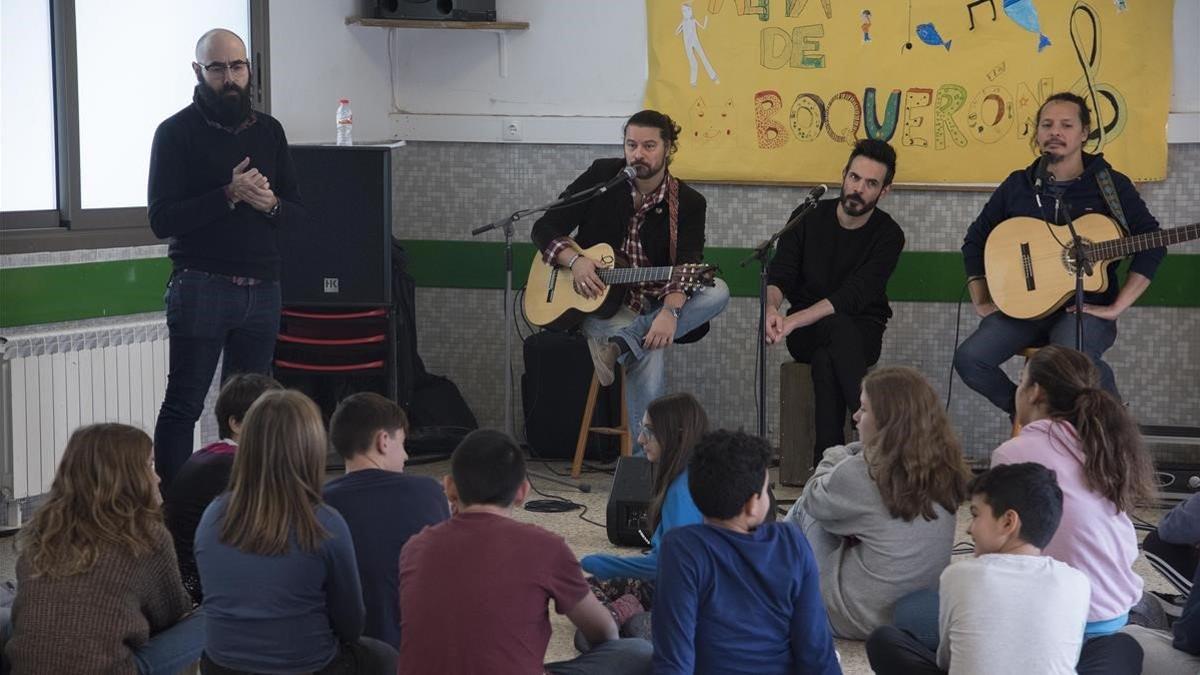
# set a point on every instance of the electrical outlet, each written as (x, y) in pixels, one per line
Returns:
(511, 130)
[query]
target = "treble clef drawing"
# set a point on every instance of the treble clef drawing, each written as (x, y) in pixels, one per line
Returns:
(1111, 117)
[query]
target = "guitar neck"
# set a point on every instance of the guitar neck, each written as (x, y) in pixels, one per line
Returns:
(1119, 248)
(634, 275)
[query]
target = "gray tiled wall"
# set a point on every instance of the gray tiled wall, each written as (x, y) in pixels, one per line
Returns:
(442, 190)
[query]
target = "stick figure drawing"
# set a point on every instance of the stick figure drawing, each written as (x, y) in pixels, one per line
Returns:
(691, 43)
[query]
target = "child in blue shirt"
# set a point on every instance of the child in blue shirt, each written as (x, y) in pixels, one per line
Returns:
(736, 594)
(670, 429)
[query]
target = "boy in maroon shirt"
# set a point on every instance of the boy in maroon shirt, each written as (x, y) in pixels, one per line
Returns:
(474, 589)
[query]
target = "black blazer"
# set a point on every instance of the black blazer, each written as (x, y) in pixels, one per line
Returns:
(605, 219)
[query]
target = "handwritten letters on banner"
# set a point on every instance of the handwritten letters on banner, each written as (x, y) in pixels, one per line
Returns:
(775, 91)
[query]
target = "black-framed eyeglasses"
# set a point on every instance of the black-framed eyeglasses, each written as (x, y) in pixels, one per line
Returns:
(219, 68)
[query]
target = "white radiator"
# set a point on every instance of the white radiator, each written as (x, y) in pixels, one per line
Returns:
(53, 383)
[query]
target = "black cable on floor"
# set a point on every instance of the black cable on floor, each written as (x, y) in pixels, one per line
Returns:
(586, 468)
(558, 504)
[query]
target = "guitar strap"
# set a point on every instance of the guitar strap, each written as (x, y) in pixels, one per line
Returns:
(1104, 178)
(673, 212)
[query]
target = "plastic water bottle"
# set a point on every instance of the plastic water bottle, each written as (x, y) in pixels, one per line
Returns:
(345, 123)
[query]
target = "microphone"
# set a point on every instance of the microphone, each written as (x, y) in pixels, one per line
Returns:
(564, 199)
(627, 172)
(1041, 177)
(1041, 174)
(816, 193)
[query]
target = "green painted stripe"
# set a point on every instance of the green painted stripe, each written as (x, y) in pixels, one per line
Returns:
(35, 295)
(920, 276)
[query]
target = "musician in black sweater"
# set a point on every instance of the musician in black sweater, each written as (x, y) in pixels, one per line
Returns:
(833, 268)
(1064, 123)
(221, 183)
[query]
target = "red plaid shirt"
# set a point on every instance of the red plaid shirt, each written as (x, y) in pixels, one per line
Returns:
(631, 248)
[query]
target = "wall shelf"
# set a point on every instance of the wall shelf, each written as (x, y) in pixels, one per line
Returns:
(420, 23)
(500, 28)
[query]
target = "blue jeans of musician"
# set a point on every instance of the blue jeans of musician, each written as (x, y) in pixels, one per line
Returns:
(208, 314)
(645, 370)
(999, 337)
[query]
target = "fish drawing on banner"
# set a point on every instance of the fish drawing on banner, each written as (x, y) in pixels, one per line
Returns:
(691, 43)
(929, 35)
(1025, 15)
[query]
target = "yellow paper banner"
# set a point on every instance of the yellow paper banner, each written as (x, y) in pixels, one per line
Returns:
(777, 90)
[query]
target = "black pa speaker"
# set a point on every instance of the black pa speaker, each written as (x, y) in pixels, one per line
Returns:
(632, 486)
(341, 253)
(554, 389)
(437, 10)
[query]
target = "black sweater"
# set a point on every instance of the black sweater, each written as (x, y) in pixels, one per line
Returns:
(191, 162)
(819, 259)
(201, 478)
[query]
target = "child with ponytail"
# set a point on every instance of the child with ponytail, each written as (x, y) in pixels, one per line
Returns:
(1071, 425)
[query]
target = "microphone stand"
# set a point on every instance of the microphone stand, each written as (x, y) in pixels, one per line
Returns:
(762, 253)
(1079, 251)
(506, 223)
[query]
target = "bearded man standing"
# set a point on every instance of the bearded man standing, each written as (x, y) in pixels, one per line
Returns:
(221, 183)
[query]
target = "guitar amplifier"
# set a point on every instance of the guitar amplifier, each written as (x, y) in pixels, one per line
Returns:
(1176, 453)
(628, 502)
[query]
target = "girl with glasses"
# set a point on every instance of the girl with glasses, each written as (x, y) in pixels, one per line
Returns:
(670, 429)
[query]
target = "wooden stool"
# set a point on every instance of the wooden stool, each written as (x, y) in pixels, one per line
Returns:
(796, 434)
(585, 427)
(1027, 354)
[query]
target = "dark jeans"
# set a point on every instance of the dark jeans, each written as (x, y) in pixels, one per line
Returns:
(892, 651)
(627, 656)
(916, 614)
(839, 349)
(1116, 654)
(208, 314)
(1000, 337)
(367, 656)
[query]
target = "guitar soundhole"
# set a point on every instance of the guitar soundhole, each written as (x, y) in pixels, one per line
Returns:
(1068, 260)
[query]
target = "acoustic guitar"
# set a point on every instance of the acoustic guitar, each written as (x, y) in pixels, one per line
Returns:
(551, 299)
(1030, 266)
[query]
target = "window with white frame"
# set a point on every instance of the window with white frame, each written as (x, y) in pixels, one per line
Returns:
(85, 84)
